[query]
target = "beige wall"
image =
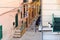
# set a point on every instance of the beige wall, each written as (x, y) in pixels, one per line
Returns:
(48, 8)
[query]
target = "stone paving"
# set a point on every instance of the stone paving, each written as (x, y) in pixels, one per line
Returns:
(30, 36)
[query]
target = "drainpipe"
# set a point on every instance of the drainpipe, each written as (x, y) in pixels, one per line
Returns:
(41, 20)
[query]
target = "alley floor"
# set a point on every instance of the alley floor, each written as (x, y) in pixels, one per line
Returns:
(51, 36)
(30, 36)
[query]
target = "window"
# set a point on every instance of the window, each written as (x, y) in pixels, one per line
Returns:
(21, 14)
(32, 14)
(24, 10)
(24, 0)
(26, 23)
(16, 20)
(1, 34)
(33, 0)
(18, 10)
(22, 22)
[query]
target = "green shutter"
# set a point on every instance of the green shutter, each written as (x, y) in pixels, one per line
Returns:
(0, 31)
(16, 20)
(52, 20)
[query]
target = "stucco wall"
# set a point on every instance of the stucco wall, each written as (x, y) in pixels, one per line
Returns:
(9, 3)
(48, 8)
(6, 5)
(29, 1)
(7, 22)
(7, 18)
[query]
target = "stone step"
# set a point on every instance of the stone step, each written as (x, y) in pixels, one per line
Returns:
(16, 36)
(17, 33)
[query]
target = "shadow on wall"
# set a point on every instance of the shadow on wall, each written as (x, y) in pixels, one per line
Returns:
(38, 21)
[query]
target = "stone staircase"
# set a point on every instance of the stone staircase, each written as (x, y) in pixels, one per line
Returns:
(17, 33)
